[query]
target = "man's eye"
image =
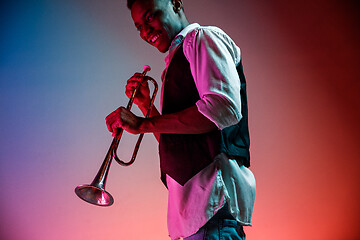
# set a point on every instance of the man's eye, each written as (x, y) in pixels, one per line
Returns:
(150, 17)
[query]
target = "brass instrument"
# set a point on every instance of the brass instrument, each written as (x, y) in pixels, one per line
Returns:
(95, 192)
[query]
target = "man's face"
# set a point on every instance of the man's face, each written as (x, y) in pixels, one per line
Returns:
(156, 21)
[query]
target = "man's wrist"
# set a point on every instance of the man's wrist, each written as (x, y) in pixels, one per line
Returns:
(146, 125)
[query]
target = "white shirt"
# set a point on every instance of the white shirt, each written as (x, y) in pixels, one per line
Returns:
(213, 58)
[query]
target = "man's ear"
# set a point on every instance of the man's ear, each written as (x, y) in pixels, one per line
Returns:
(177, 5)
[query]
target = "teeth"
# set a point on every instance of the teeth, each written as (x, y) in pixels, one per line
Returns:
(154, 38)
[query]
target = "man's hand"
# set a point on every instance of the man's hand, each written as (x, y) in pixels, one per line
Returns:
(123, 118)
(142, 97)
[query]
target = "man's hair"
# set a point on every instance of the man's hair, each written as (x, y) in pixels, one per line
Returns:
(130, 3)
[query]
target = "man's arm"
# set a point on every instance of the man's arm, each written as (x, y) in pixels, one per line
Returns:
(187, 121)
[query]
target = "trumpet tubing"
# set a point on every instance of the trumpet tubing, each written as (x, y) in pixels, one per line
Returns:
(95, 192)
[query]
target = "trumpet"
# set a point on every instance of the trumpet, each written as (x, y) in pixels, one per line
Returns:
(95, 192)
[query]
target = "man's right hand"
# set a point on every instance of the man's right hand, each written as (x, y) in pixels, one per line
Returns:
(142, 97)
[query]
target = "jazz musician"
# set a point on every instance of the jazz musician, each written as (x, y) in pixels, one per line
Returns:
(203, 125)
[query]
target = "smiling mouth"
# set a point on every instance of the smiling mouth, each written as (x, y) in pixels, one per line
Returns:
(153, 38)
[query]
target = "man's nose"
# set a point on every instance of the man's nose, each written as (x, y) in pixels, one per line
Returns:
(146, 29)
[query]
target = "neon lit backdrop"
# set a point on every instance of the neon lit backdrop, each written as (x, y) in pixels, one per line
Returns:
(63, 67)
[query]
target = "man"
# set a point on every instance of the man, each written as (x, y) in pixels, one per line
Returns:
(202, 129)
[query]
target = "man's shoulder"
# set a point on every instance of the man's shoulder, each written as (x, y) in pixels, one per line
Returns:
(205, 33)
(206, 30)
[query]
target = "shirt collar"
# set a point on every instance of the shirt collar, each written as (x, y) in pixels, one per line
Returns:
(188, 29)
(178, 38)
(175, 43)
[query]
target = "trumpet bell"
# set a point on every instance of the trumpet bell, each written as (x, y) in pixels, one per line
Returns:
(94, 195)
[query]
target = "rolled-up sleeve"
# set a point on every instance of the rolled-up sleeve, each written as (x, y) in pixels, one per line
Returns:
(213, 57)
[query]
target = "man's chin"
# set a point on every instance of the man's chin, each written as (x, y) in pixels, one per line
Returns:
(162, 48)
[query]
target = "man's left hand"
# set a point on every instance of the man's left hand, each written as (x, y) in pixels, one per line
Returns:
(123, 118)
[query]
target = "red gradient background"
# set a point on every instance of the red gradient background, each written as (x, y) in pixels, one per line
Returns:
(63, 68)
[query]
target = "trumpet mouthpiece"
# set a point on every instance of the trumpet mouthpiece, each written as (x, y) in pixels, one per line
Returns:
(147, 68)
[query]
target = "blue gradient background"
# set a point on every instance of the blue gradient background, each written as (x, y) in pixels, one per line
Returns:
(63, 68)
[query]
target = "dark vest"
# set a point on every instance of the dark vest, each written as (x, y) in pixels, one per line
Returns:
(184, 155)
